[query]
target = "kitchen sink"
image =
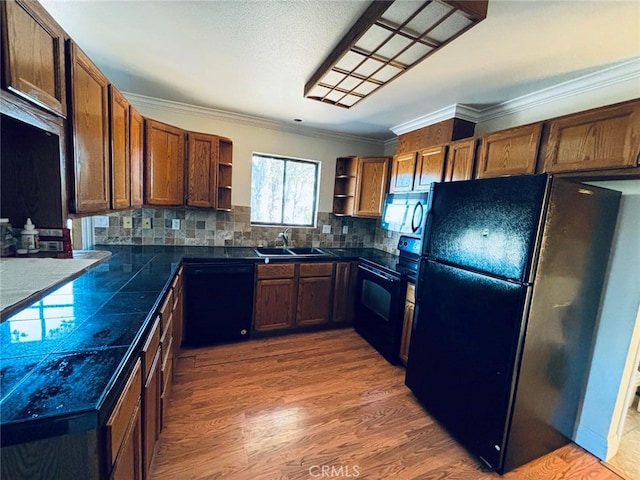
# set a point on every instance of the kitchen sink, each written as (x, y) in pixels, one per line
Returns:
(307, 251)
(272, 251)
(293, 251)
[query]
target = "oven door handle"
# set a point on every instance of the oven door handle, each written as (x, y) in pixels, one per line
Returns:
(388, 278)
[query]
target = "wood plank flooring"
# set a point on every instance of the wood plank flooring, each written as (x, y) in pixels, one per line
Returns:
(287, 407)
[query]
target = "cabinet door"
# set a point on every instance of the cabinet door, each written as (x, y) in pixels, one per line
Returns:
(429, 168)
(201, 170)
(373, 177)
(90, 126)
(164, 164)
(510, 152)
(344, 288)
(33, 47)
(128, 466)
(151, 411)
(598, 139)
(407, 323)
(314, 300)
(136, 144)
(402, 172)
(275, 303)
(120, 163)
(460, 159)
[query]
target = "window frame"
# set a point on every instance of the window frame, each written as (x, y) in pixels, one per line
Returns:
(316, 188)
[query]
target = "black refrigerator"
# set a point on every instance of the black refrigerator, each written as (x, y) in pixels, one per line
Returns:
(507, 297)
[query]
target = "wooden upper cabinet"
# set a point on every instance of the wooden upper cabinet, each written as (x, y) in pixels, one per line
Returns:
(402, 172)
(33, 49)
(120, 160)
(429, 167)
(136, 151)
(164, 164)
(598, 139)
(372, 181)
(90, 134)
(201, 170)
(460, 160)
(509, 152)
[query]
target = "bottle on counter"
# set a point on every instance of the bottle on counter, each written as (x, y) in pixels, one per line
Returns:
(29, 239)
(7, 240)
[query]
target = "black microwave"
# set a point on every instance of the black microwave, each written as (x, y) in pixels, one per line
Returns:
(405, 212)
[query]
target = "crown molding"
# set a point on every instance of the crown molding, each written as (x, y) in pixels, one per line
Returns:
(158, 104)
(606, 77)
(452, 111)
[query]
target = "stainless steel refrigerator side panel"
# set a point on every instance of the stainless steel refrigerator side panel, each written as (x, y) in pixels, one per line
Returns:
(569, 275)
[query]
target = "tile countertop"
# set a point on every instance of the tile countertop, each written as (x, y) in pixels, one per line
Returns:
(62, 355)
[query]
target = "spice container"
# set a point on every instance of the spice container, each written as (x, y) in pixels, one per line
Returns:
(7, 241)
(29, 238)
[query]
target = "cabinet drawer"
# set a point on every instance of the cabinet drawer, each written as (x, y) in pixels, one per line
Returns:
(125, 409)
(177, 281)
(411, 293)
(167, 346)
(150, 347)
(316, 269)
(276, 270)
(166, 309)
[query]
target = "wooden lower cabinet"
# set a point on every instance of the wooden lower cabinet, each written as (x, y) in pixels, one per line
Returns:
(151, 411)
(275, 302)
(178, 311)
(407, 324)
(344, 291)
(297, 294)
(128, 465)
(122, 430)
(315, 291)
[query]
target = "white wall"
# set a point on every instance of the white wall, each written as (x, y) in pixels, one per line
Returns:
(251, 135)
(615, 346)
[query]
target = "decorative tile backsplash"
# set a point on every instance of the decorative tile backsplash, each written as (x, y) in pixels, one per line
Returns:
(218, 228)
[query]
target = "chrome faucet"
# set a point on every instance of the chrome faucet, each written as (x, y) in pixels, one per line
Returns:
(284, 237)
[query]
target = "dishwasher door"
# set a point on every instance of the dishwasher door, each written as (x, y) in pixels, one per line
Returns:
(218, 302)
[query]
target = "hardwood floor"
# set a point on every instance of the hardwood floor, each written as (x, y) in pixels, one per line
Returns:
(289, 407)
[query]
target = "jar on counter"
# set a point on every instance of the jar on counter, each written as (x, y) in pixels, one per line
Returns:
(29, 238)
(7, 240)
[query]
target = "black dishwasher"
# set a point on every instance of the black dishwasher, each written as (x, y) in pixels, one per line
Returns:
(218, 302)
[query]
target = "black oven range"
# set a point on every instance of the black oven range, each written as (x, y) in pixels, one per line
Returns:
(382, 285)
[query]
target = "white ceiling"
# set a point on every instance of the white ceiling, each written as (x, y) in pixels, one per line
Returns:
(254, 57)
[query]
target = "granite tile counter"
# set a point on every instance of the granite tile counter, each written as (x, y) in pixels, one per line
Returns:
(63, 358)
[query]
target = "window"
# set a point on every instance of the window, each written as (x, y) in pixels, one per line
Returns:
(284, 191)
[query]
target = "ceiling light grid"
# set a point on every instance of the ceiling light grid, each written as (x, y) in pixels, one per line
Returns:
(386, 41)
